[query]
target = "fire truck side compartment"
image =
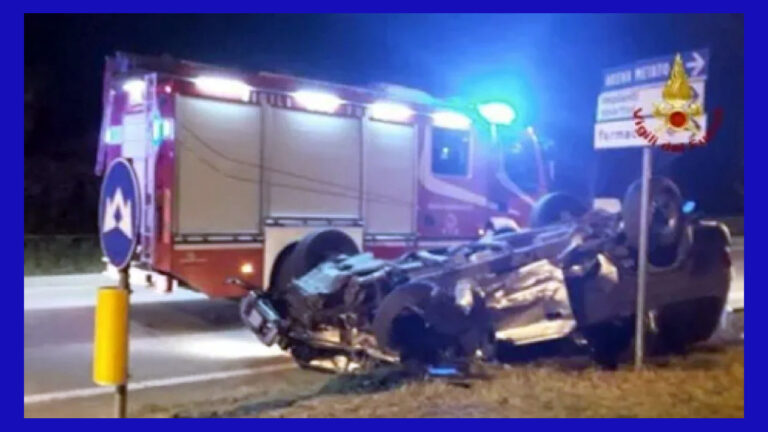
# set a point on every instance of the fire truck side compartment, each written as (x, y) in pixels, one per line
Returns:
(218, 167)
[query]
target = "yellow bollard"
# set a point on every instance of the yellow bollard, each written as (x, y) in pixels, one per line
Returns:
(110, 341)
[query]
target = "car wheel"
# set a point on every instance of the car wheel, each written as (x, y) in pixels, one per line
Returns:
(400, 309)
(665, 217)
(680, 325)
(608, 341)
(279, 277)
(556, 207)
(315, 248)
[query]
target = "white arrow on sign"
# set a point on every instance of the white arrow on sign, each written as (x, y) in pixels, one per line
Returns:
(697, 64)
(118, 204)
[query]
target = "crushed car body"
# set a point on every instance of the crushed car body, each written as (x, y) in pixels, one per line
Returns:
(575, 279)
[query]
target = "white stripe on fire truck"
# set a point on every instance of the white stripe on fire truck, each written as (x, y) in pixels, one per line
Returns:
(217, 246)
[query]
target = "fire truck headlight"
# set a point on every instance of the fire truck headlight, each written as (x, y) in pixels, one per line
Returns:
(246, 269)
(497, 113)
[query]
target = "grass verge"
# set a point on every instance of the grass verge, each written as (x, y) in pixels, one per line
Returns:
(706, 383)
(51, 255)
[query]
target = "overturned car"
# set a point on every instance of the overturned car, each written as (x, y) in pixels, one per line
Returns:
(570, 276)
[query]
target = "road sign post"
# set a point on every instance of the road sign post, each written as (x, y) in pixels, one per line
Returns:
(119, 215)
(110, 342)
(121, 390)
(625, 118)
(642, 259)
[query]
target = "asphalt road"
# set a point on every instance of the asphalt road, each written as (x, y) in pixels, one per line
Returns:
(184, 348)
(181, 339)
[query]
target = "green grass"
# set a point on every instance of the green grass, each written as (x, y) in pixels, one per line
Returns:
(705, 383)
(49, 255)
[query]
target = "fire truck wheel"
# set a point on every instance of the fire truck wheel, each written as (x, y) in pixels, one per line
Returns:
(556, 207)
(315, 248)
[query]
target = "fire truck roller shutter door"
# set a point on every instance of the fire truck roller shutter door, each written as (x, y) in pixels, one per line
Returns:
(314, 165)
(390, 175)
(219, 163)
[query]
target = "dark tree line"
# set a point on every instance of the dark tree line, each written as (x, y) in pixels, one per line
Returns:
(60, 189)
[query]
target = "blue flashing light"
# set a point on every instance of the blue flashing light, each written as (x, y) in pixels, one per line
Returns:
(497, 113)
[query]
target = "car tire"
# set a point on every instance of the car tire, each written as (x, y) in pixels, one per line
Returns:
(395, 304)
(315, 248)
(609, 341)
(280, 277)
(422, 324)
(666, 220)
(683, 324)
(556, 207)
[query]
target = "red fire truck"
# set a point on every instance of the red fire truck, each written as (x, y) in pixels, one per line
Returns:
(235, 167)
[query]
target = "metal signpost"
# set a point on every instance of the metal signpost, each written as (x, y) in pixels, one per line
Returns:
(642, 259)
(119, 215)
(629, 96)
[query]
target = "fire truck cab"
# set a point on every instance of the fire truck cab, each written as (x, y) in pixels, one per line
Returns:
(235, 168)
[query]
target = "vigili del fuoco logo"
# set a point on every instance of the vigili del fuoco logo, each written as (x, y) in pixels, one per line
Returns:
(678, 112)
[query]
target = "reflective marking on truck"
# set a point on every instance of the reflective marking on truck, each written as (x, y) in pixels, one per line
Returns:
(217, 246)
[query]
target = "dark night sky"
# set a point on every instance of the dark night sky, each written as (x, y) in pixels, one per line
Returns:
(552, 63)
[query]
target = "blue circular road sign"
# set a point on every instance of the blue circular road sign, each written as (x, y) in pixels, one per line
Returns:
(119, 213)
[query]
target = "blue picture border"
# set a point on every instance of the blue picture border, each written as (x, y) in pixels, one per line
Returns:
(13, 222)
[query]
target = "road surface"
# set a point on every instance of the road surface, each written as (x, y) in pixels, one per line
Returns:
(179, 340)
(184, 348)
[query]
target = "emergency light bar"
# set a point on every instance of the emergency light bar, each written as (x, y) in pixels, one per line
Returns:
(451, 120)
(497, 113)
(318, 101)
(223, 87)
(390, 112)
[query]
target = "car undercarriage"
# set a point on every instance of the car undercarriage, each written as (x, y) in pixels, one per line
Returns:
(334, 308)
